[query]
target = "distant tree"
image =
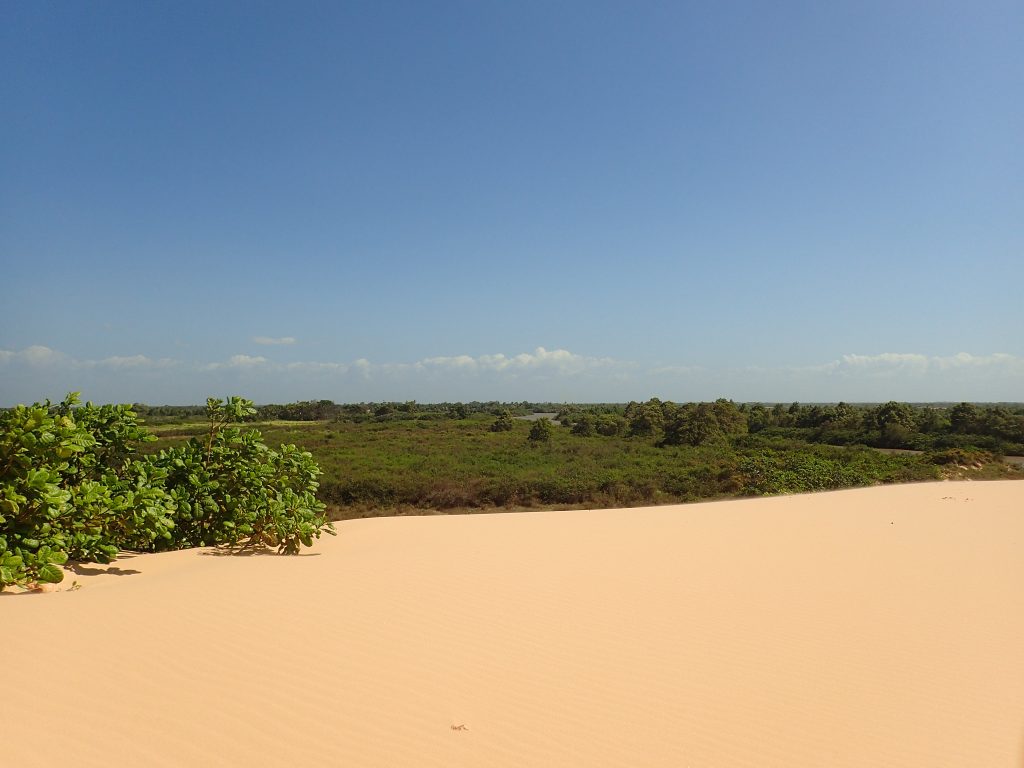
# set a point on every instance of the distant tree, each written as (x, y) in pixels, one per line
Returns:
(540, 432)
(812, 416)
(894, 414)
(778, 415)
(700, 423)
(610, 425)
(1003, 423)
(458, 411)
(645, 419)
(503, 423)
(929, 420)
(758, 417)
(894, 421)
(965, 418)
(584, 426)
(730, 418)
(693, 424)
(845, 416)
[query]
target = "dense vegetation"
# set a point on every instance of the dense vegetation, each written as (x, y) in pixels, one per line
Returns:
(83, 482)
(73, 486)
(996, 428)
(394, 458)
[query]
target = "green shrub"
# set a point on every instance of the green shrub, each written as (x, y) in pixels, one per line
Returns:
(584, 426)
(231, 489)
(503, 423)
(72, 487)
(822, 468)
(961, 456)
(540, 432)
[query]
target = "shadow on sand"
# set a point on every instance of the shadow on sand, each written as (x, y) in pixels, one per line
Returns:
(251, 552)
(81, 569)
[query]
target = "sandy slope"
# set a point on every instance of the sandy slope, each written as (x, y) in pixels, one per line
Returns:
(867, 628)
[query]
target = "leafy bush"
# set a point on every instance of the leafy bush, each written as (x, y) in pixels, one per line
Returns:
(503, 423)
(961, 456)
(231, 489)
(820, 468)
(72, 487)
(610, 425)
(540, 432)
(584, 426)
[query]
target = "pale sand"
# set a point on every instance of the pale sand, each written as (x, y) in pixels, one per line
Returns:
(865, 628)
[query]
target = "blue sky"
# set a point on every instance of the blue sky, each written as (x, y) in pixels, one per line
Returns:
(582, 201)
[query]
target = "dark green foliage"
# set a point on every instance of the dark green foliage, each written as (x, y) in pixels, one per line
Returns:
(693, 424)
(400, 467)
(503, 423)
(610, 425)
(584, 426)
(409, 463)
(999, 429)
(894, 422)
(965, 418)
(700, 423)
(540, 432)
(231, 489)
(823, 468)
(306, 410)
(72, 486)
(965, 457)
(645, 419)
(931, 420)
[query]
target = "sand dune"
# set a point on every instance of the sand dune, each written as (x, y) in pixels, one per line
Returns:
(864, 628)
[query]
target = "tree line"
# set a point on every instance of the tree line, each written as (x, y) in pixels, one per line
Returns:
(997, 428)
(993, 427)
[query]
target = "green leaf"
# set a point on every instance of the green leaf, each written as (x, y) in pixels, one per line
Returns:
(58, 557)
(50, 574)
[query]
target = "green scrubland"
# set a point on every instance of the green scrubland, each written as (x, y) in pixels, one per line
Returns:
(84, 482)
(395, 458)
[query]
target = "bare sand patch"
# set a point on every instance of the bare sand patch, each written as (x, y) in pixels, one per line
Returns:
(872, 627)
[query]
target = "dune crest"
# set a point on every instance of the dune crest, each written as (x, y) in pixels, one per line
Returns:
(869, 627)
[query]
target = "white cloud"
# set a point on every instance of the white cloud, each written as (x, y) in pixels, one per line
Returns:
(244, 361)
(556, 374)
(40, 355)
(902, 362)
(271, 341)
(34, 355)
(463, 362)
(136, 361)
(675, 370)
(963, 360)
(237, 361)
(887, 361)
(556, 361)
(313, 367)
